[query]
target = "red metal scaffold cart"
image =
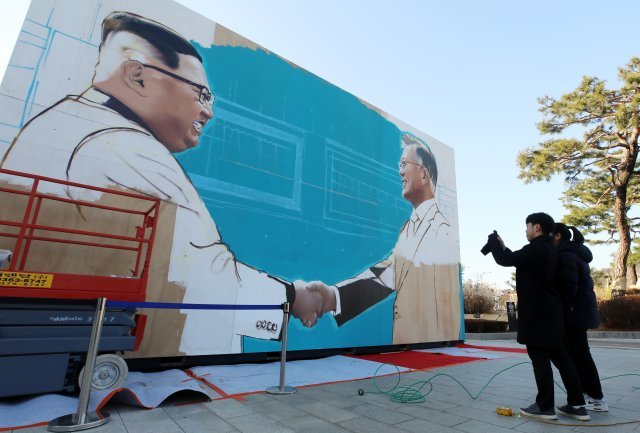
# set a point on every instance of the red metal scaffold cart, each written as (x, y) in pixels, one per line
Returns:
(68, 243)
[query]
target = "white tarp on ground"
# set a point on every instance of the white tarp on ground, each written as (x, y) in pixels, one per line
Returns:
(150, 389)
(28, 411)
(240, 379)
(469, 352)
(140, 389)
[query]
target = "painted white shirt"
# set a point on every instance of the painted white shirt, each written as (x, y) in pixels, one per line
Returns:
(423, 272)
(426, 226)
(83, 141)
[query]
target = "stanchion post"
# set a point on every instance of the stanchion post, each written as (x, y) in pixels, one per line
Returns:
(281, 389)
(81, 420)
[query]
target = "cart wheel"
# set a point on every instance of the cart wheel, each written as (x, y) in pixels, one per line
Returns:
(110, 372)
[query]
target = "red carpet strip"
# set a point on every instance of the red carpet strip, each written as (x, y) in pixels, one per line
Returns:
(417, 360)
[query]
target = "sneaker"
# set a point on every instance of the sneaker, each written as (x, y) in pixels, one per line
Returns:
(534, 411)
(596, 405)
(577, 412)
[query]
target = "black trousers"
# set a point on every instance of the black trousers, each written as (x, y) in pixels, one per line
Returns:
(578, 347)
(541, 359)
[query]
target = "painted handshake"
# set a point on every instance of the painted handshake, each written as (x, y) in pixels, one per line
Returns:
(313, 299)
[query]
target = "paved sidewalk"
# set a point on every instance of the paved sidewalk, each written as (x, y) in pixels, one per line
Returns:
(448, 408)
(628, 338)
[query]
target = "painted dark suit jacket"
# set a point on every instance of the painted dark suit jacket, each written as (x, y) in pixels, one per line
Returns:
(423, 272)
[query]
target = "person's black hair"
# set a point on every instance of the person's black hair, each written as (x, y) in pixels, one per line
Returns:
(423, 155)
(577, 236)
(568, 233)
(562, 230)
(545, 221)
(168, 42)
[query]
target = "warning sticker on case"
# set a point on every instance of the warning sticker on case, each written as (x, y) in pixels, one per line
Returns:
(25, 279)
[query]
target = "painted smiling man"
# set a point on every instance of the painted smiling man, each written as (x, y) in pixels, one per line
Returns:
(422, 270)
(150, 99)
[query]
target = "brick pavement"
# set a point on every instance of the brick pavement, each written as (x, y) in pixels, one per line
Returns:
(447, 408)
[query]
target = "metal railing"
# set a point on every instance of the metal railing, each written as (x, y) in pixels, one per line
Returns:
(83, 419)
(15, 280)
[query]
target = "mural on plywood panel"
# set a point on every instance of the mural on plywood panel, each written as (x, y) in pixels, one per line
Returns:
(275, 184)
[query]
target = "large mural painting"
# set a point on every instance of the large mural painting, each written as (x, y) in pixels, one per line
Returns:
(275, 184)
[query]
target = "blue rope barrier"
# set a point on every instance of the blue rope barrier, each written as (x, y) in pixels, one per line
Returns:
(174, 306)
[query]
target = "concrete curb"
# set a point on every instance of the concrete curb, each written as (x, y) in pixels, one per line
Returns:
(614, 334)
(490, 335)
(627, 335)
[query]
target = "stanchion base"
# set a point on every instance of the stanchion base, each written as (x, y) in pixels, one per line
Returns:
(68, 423)
(276, 390)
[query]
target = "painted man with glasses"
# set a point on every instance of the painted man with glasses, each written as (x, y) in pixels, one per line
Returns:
(422, 269)
(150, 99)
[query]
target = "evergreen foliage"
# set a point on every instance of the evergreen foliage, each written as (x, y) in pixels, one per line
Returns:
(599, 168)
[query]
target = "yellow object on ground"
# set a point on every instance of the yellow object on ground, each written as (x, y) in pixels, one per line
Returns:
(504, 411)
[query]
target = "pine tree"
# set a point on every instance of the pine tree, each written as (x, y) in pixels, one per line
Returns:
(601, 182)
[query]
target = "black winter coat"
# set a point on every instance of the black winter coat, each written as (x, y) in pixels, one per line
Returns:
(539, 306)
(576, 286)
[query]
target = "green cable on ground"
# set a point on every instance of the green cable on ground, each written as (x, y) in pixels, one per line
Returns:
(602, 379)
(413, 393)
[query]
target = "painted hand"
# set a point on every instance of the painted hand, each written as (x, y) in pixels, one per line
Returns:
(328, 295)
(308, 306)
